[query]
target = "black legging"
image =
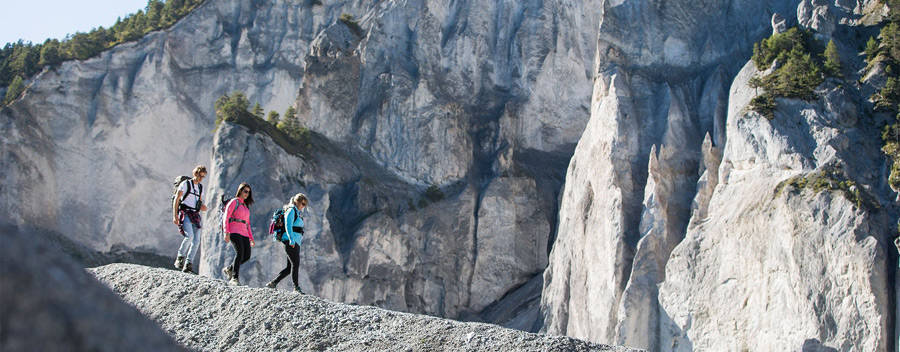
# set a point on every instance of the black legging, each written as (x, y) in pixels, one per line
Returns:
(242, 251)
(293, 261)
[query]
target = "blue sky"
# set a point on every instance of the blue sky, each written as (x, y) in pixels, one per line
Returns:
(37, 20)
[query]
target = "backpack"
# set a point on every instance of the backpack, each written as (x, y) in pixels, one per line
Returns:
(276, 225)
(223, 201)
(190, 189)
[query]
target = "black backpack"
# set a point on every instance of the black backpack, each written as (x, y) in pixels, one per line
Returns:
(190, 189)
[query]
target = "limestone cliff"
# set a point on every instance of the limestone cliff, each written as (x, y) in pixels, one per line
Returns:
(681, 224)
(481, 101)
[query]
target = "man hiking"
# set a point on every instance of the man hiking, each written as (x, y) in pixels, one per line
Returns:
(186, 207)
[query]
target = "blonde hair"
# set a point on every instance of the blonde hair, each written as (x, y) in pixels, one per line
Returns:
(297, 198)
(199, 169)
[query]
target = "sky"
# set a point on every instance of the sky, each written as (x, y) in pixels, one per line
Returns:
(37, 20)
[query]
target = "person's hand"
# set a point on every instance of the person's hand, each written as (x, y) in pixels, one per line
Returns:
(252, 243)
(203, 207)
(175, 220)
(227, 239)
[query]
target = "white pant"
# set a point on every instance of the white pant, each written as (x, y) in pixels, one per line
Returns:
(191, 240)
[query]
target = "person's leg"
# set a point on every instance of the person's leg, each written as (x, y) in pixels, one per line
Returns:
(242, 246)
(238, 252)
(287, 268)
(190, 240)
(185, 246)
(195, 242)
(294, 258)
(246, 256)
(187, 242)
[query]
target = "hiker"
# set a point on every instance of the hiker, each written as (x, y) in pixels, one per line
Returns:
(236, 227)
(186, 207)
(291, 236)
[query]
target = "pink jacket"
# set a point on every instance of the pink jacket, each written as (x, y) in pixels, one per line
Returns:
(237, 218)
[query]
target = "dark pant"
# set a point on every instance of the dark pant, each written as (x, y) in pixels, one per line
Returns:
(242, 251)
(293, 263)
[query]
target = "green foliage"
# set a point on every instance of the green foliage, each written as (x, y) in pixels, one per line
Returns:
(797, 75)
(258, 111)
(764, 104)
(50, 54)
(887, 50)
(871, 49)
(291, 126)
(828, 179)
(888, 98)
(273, 117)
(778, 46)
(797, 78)
(890, 40)
(231, 107)
(15, 89)
(832, 60)
(890, 136)
(351, 23)
(26, 59)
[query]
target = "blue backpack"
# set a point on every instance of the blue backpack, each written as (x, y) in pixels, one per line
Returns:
(276, 224)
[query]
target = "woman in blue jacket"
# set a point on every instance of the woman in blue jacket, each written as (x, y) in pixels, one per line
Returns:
(291, 238)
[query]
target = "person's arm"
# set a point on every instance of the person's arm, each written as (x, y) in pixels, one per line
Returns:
(249, 230)
(175, 202)
(289, 225)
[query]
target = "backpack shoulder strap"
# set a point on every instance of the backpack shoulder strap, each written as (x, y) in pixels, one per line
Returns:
(189, 189)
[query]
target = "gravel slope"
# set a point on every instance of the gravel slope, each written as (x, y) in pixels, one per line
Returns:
(206, 314)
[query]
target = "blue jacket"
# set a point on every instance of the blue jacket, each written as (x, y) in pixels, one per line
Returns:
(292, 219)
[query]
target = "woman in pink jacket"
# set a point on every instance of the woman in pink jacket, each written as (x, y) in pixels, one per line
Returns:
(236, 227)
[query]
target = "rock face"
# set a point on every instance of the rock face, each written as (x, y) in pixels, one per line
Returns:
(478, 99)
(208, 315)
(384, 242)
(51, 304)
(679, 225)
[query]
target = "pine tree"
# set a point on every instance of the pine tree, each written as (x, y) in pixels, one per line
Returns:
(273, 117)
(15, 88)
(50, 53)
(231, 107)
(832, 60)
(871, 49)
(289, 123)
(258, 111)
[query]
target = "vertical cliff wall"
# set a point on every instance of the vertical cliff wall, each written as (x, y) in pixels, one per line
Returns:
(678, 227)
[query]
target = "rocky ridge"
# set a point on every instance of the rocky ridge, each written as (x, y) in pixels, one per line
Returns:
(208, 315)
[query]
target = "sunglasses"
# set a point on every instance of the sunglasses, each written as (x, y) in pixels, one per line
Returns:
(246, 190)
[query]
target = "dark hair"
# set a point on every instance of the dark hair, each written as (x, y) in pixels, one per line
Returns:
(249, 201)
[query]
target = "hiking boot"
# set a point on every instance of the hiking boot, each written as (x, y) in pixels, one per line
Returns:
(229, 273)
(272, 284)
(188, 268)
(179, 262)
(234, 282)
(298, 290)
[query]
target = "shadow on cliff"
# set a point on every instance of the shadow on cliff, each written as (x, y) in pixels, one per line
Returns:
(88, 257)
